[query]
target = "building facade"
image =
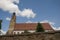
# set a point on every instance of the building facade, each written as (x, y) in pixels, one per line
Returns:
(18, 28)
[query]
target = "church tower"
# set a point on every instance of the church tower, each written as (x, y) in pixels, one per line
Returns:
(12, 23)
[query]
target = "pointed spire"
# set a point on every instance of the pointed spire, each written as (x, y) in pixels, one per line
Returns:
(13, 17)
(12, 24)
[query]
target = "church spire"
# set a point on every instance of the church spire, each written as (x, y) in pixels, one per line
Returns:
(12, 23)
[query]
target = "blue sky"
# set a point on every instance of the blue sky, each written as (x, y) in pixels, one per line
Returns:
(44, 9)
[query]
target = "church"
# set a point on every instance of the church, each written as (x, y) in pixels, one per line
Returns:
(18, 28)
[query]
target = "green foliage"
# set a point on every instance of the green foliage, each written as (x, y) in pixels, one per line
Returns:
(39, 28)
(0, 23)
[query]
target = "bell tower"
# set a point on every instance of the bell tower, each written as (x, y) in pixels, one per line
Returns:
(12, 24)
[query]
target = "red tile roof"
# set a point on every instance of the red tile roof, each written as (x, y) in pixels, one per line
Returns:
(31, 26)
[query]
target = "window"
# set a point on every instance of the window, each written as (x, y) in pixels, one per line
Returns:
(18, 33)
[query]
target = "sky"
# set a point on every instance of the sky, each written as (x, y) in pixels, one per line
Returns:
(30, 11)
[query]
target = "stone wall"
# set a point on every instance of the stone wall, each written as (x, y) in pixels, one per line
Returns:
(32, 36)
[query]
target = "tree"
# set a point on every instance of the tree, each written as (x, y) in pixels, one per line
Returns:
(0, 24)
(39, 28)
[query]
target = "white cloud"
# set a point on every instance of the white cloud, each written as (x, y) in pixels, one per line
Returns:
(7, 18)
(8, 5)
(56, 28)
(46, 21)
(11, 6)
(3, 32)
(29, 22)
(51, 23)
(28, 13)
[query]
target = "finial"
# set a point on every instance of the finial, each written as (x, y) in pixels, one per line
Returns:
(14, 13)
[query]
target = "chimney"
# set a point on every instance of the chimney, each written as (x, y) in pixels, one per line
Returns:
(12, 23)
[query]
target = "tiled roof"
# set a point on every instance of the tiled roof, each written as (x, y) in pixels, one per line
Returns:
(31, 26)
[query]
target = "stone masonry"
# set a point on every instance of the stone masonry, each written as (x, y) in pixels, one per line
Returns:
(33, 36)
